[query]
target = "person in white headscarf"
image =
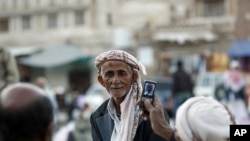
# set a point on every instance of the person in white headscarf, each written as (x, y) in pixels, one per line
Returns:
(116, 119)
(235, 84)
(197, 119)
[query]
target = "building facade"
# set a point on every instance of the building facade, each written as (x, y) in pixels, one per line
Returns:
(171, 28)
(196, 27)
(242, 30)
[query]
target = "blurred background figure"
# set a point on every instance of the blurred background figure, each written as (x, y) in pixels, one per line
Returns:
(26, 113)
(8, 68)
(79, 128)
(234, 84)
(82, 127)
(182, 86)
(202, 65)
(42, 82)
(77, 101)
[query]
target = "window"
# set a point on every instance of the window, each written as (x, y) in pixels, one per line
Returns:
(79, 2)
(52, 21)
(109, 19)
(14, 4)
(214, 8)
(52, 2)
(26, 22)
(4, 25)
(79, 17)
(26, 4)
(38, 2)
(3, 4)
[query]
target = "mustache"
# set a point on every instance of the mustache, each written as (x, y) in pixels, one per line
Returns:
(116, 86)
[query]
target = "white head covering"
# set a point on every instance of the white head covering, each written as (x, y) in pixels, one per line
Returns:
(129, 121)
(234, 79)
(234, 64)
(204, 118)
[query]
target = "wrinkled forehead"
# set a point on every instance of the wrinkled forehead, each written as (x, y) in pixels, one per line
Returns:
(115, 65)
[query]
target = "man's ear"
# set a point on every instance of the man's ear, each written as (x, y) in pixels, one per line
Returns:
(134, 77)
(100, 79)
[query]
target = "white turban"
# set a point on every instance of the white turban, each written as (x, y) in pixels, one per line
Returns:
(204, 118)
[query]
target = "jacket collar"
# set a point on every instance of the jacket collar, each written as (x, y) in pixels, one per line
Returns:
(106, 125)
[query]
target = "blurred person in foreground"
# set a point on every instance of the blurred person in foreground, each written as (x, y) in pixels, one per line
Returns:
(116, 119)
(234, 84)
(26, 113)
(8, 68)
(197, 119)
(182, 86)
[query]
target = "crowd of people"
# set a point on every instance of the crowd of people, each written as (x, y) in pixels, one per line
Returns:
(28, 111)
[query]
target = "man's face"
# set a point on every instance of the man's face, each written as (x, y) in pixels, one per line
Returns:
(116, 77)
(149, 87)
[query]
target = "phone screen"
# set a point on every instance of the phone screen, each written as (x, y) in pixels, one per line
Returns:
(148, 92)
(148, 89)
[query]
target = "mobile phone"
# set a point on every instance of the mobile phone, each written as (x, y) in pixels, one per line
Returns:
(148, 92)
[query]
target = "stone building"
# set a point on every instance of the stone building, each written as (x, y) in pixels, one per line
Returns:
(171, 28)
(85, 23)
(196, 27)
(242, 30)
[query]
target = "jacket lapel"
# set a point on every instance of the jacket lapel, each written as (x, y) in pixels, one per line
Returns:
(105, 125)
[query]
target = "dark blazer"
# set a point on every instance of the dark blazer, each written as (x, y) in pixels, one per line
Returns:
(102, 126)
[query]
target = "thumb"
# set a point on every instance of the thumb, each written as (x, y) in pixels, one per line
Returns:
(148, 105)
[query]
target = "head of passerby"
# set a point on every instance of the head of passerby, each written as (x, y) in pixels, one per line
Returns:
(179, 65)
(26, 113)
(235, 65)
(197, 119)
(203, 119)
(41, 82)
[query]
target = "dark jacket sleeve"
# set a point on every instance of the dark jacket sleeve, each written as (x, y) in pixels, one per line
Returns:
(145, 131)
(95, 134)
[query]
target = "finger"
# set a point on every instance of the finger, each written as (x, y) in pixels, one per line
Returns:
(148, 105)
(157, 102)
(156, 98)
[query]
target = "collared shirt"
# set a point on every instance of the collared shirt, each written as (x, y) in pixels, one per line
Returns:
(113, 115)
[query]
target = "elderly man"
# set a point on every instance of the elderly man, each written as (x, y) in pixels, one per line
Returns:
(26, 114)
(197, 119)
(116, 119)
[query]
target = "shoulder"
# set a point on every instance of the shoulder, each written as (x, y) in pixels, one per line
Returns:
(101, 110)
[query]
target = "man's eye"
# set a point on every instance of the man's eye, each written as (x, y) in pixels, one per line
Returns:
(122, 73)
(109, 74)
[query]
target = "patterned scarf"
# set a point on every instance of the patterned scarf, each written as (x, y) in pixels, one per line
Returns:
(129, 120)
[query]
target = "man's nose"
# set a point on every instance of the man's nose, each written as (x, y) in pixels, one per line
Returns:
(116, 79)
